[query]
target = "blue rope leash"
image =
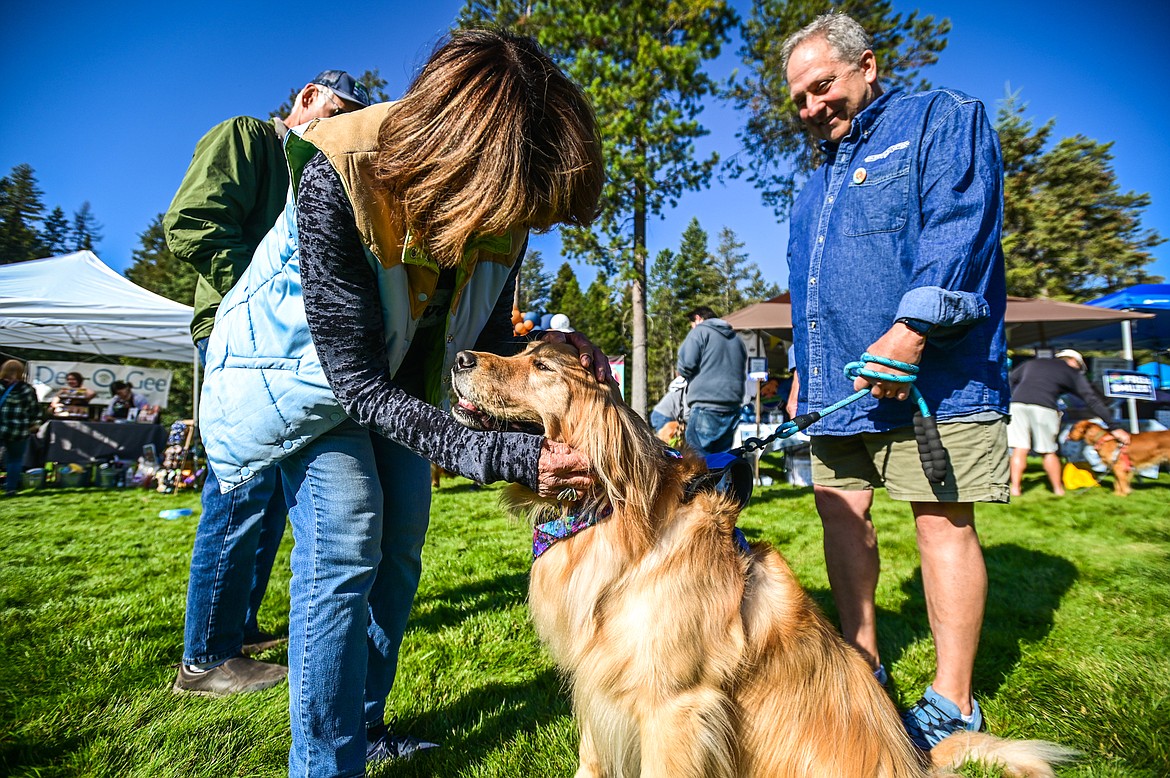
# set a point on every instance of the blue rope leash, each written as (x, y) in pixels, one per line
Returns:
(930, 449)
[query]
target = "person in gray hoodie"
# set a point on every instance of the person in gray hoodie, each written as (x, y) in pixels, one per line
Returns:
(713, 360)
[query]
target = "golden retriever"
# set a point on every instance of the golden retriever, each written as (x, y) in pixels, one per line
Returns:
(1144, 449)
(687, 657)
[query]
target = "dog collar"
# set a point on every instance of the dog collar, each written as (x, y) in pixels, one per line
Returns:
(545, 535)
(1119, 454)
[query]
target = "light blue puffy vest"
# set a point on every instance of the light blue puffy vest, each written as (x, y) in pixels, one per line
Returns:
(264, 393)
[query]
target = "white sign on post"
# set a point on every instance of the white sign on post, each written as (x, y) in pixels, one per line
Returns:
(1128, 385)
(48, 377)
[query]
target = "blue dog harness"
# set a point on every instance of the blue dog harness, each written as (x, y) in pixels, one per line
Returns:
(731, 475)
(726, 473)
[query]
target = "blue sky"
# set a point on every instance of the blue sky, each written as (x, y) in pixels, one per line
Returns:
(107, 100)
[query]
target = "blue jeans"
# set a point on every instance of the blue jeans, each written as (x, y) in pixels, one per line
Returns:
(359, 506)
(658, 420)
(14, 464)
(711, 430)
(236, 542)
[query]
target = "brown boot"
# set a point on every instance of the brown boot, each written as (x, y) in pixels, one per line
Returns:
(235, 676)
(261, 642)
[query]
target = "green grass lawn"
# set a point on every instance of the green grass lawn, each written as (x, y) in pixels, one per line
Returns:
(1076, 644)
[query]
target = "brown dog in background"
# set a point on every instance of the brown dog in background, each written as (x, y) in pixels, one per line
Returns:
(687, 657)
(673, 434)
(1144, 449)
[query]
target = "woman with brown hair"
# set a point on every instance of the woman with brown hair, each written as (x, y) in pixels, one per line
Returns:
(20, 413)
(72, 400)
(401, 247)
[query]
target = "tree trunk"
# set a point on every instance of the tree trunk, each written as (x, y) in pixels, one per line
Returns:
(638, 367)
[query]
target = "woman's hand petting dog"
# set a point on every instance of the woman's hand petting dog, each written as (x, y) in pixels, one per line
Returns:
(592, 358)
(562, 467)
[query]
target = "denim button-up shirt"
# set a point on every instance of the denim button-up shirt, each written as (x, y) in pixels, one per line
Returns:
(903, 220)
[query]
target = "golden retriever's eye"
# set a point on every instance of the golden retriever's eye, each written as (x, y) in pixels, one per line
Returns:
(541, 366)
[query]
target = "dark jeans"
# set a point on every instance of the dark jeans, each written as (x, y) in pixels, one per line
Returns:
(236, 542)
(711, 430)
(235, 545)
(14, 463)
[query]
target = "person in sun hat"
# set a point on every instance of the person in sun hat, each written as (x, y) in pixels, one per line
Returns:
(1035, 424)
(234, 190)
(1073, 358)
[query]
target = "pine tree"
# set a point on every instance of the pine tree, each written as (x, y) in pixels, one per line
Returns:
(55, 232)
(154, 267)
(641, 63)
(605, 317)
(20, 210)
(681, 282)
(665, 324)
(157, 269)
(731, 263)
(758, 289)
(695, 278)
(534, 282)
(1069, 232)
(85, 232)
(777, 151)
(740, 281)
(564, 295)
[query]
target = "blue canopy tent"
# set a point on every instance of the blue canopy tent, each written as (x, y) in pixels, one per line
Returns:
(1160, 372)
(1144, 333)
(1152, 333)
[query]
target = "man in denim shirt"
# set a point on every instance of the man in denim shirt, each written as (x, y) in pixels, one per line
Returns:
(895, 250)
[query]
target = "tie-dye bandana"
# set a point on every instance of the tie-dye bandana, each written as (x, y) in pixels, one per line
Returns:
(544, 535)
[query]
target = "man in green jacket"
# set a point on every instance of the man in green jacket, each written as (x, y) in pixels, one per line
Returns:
(233, 192)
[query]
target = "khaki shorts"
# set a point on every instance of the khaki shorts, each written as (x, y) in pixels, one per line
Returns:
(1033, 427)
(977, 463)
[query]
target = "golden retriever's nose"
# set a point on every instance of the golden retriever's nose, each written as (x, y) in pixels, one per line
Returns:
(465, 360)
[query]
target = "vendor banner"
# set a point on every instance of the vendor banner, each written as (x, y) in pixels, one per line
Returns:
(617, 366)
(48, 377)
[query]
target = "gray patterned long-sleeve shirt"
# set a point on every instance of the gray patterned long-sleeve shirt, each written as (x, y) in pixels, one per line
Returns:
(344, 313)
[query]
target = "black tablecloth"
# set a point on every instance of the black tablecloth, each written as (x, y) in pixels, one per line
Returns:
(82, 442)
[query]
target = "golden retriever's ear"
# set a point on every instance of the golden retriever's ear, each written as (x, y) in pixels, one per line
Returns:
(622, 449)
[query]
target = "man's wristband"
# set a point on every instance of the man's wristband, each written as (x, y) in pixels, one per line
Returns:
(920, 326)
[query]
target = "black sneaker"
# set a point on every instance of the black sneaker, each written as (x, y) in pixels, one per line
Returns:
(237, 675)
(387, 746)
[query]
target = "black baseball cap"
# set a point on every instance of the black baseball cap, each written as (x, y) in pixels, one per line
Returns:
(344, 86)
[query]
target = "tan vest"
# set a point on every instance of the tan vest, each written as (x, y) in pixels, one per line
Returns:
(349, 141)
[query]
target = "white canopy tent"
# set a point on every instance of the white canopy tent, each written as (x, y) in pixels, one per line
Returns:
(76, 303)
